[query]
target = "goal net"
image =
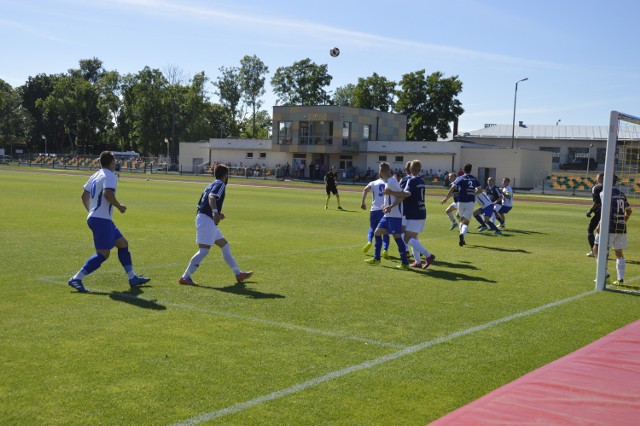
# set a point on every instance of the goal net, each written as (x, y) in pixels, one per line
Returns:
(619, 270)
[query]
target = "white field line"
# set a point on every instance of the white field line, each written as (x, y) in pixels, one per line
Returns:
(311, 330)
(299, 387)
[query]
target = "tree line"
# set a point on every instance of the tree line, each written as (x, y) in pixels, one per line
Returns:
(89, 109)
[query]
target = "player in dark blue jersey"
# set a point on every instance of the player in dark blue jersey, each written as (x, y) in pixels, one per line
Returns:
(595, 210)
(415, 212)
(618, 217)
(209, 215)
(466, 185)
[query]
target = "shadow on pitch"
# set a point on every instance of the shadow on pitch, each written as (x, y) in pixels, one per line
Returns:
(501, 249)
(456, 276)
(521, 231)
(131, 297)
(240, 289)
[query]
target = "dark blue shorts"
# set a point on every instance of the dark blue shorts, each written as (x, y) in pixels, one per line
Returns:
(105, 233)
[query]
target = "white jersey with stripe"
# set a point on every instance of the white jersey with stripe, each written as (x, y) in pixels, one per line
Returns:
(483, 200)
(100, 181)
(393, 185)
(507, 201)
(377, 194)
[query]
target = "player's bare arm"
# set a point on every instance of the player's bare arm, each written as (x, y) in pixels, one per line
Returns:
(110, 196)
(213, 202)
(86, 199)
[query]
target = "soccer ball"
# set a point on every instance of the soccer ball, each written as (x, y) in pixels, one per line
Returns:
(334, 52)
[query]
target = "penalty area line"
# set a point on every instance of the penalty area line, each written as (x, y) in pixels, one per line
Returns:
(299, 387)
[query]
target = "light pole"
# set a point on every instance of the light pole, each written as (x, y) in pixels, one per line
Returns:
(45, 145)
(589, 160)
(513, 125)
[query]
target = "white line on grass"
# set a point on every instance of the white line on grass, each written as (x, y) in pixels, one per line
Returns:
(368, 364)
(246, 318)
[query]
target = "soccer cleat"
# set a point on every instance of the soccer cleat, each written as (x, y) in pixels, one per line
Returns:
(482, 228)
(429, 261)
(187, 281)
(77, 284)
(385, 254)
(453, 226)
(243, 275)
(590, 254)
(416, 265)
(366, 247)
(326, 207)
(340, 208)
(462, 241)
(498, 232)
(402, 266)
(372, 261)
(138, 281)
(618, 282)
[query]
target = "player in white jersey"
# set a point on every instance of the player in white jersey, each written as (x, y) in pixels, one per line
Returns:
(507, 202)
(376, 188)
(485, 212)
(391, 223)
(99, 198)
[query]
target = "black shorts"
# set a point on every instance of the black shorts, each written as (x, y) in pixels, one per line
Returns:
(332, 190)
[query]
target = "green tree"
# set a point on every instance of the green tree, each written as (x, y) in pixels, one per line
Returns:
(259, 123)
(32, 93)
(252, 77)
(229, 85)
(429, 103)
(375, 92)
(14, 120)
(302, 83)
(343, 95)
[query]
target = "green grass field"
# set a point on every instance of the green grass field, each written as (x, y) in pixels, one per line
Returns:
(316, 336)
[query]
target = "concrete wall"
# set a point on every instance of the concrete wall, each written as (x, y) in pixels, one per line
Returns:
(526, 168)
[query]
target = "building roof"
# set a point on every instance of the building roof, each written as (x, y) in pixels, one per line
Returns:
(564, 132)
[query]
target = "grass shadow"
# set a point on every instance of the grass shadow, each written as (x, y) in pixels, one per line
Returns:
(502, 249)
(241, 289)
(131, 297)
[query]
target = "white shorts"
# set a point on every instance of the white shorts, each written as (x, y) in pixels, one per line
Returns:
(616, 241)
(453, 206)
(206, 230)
(415, 225)
(466, 209)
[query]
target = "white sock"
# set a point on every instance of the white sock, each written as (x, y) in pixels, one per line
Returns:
(463, 228)
(228, 258)
(417, 246)
(620, 267)
(194, 263)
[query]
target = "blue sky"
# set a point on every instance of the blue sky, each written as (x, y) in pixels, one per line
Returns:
(578, 56)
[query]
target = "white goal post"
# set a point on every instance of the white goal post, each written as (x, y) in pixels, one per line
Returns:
(622, 160)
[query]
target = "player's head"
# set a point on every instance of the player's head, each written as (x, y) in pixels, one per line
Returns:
(407, 167)
(490, 181)
(333, 168)
(467, 168)
(600, 177)
(452, 176)
(221, 172)
(415, 168)
(506, 181)
(385, 170)
(107, 159)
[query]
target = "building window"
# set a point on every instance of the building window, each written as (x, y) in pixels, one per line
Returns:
(249, 156)
(284, 133)
(346, 133)
(346, 162)
(366, 131)
(263, 155)
(316, 133)
(398, 159)
(382, 158)
(555, 151)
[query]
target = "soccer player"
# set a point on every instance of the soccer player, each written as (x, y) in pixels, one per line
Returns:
(466, 185)
(208, 217)
(416, 213)
(507, 202)
(376, 188)
(99, 199)
(596, 208)
(620, 213)
(486, 210)
(391, 222)
(331, 186)
(454, 204)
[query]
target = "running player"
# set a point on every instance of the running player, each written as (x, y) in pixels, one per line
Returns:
(208, 217)
(376, 188)
(454, 204)
(466, 185)
(331, 186)
(507, 202)
(416, 213)
(486, 210)
(99, 198)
